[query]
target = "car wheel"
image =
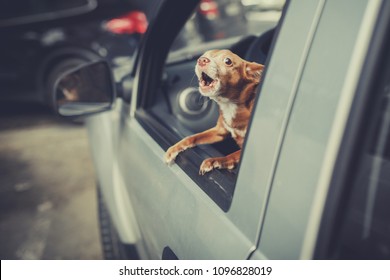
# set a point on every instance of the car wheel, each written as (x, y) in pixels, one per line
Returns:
(112, 247)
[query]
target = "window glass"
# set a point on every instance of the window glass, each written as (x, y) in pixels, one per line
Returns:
(365, 230)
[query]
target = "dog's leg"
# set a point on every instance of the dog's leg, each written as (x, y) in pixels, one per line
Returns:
(228, 162)
(212, 135)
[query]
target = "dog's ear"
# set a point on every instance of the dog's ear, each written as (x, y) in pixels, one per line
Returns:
(253, 71)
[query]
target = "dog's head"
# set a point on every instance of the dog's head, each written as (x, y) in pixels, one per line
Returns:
(221, 71)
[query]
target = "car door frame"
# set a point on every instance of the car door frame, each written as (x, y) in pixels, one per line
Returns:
(242, 223)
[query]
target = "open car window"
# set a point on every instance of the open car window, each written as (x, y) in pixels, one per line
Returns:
(177, 110)
(216, 20)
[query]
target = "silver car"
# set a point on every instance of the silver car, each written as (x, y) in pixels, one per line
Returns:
(313, 180)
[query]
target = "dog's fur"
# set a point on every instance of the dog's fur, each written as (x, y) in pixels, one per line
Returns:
(231, 82)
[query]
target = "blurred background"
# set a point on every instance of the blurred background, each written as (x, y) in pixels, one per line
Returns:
(48, 198)
(47, 190)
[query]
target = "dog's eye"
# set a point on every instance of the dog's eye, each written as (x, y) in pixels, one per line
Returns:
(228, 61)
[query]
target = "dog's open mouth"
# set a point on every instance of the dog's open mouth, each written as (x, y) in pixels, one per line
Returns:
(206, 82)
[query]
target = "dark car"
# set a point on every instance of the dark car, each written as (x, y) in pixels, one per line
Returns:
(44, 38)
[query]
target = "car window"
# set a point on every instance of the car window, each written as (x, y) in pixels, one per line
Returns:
(363, 231)
(247, 28)
(214, 20)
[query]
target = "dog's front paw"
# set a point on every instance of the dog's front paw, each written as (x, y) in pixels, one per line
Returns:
(171, 155)
(208, 165)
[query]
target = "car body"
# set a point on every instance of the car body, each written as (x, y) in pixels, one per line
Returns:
(294, 195)
(313, 177)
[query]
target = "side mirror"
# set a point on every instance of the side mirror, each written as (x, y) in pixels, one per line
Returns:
(85, 90)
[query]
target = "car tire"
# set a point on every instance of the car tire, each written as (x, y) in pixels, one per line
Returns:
(112, 247)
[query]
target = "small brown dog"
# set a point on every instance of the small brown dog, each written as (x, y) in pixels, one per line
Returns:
(231, 82)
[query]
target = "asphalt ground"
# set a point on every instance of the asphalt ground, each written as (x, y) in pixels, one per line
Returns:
(48, 203)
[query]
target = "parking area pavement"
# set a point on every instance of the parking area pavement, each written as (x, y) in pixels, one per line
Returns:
(48, 202)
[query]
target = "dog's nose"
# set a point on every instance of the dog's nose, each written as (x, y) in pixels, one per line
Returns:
(202, 61)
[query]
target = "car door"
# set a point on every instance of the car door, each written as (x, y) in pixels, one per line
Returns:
(219, 215)
(330, 75)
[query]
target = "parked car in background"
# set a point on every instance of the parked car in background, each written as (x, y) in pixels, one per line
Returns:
(313, 177)
(43, 38)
